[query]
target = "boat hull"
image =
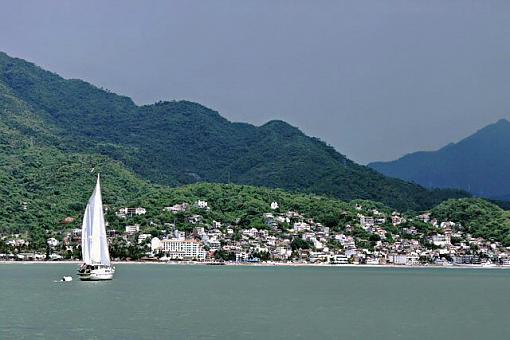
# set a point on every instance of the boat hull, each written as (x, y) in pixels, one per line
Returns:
(102, 274)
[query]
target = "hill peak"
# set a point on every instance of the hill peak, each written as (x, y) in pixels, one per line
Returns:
(492, 133)
(500, 124)
(503, 122)
(279, 125)
(478, 163)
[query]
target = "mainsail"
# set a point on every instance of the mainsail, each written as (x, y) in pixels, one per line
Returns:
(94, 245)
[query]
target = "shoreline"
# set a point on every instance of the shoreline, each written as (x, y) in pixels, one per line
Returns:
(267, 264)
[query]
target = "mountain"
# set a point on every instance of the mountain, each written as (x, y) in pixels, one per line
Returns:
(180, 142)
(42, 187)
(479, 164)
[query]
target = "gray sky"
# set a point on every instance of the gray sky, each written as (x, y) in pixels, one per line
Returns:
(375, 79)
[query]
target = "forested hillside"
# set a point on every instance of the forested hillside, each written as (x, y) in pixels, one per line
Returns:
(477, 216)
(175, 143)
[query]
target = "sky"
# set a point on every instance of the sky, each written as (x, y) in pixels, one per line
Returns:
(375, 79)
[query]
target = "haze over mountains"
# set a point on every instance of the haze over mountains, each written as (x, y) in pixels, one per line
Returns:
(479, 164)
(171, 143)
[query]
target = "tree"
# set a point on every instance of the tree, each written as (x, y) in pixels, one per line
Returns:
(299, 243)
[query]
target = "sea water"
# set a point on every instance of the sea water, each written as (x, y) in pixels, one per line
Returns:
(158, 301)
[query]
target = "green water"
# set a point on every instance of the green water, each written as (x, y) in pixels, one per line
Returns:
(222, 302)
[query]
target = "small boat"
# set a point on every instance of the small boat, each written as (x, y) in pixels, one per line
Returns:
(94, 245)
(65, 279)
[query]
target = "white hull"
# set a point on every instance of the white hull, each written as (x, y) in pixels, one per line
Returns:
(100, 274)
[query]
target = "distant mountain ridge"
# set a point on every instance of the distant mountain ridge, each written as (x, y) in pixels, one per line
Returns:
(180, 142)
(479, 164)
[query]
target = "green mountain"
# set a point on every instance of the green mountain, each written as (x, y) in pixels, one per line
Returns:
(479, 164)
(172, 143)
(42, 186)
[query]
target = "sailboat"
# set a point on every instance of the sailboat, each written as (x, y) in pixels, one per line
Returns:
(94, 245)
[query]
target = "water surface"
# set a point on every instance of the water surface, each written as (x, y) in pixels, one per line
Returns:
(224, 302)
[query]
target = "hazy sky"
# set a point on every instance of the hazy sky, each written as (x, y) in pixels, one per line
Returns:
(375, 79)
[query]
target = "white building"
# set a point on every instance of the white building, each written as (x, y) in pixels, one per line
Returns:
(17, 242)
(124, 212)
(199, 231)
(440, 240)
(183, 249)
(301, 226)
(397, 259)
(214, 244)
(132, 229)
(448, 224)
(366, 221)
(396, 219)
(55, 257)
(250, 232)
(271, 240)
(52, 242)
(242, 256)
(177, 208)
(274, 205)
(202, 204)
(351, 252)
(179, 235)
(424, 217)
(346, 241)
(282, 253)
(339, 259)
(404, 259)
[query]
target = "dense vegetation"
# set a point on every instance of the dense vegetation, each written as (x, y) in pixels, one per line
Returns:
(479, 164)
(244, 205)
(56, 135)
(175, 143)
(479, 217)
(42, 185)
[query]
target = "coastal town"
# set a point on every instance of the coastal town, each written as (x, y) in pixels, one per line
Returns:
(372, 237)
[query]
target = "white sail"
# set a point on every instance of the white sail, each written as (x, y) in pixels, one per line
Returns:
(94, 245)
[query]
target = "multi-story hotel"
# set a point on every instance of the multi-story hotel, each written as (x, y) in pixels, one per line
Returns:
(183, 249)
